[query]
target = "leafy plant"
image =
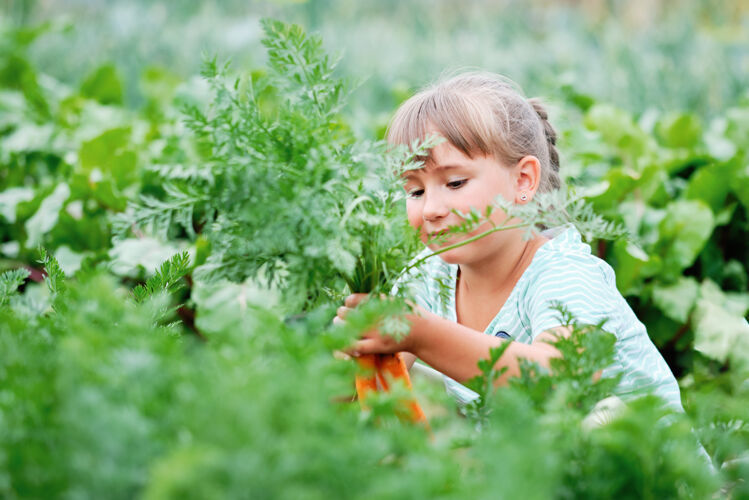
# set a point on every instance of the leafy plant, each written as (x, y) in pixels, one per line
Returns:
(678, 188)
(9, 283)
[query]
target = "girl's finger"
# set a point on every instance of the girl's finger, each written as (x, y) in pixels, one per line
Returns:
(365, 346)
(354, 299)
(338, 321)
(342, 311)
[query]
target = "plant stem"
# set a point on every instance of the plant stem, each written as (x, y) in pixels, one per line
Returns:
(462, 243)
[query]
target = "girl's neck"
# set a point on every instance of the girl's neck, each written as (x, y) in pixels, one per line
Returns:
(499, 272)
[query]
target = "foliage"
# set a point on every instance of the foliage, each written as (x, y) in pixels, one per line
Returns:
(166, 278)
(69, 158)
(286, 195)
(98, 400)
(9, 283)
(104, 392)
(678, 187)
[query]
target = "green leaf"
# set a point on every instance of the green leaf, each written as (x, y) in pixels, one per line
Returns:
(737, 126)
(718, 145)
(619, 183)
(224, 306)
(618, 129)
(55, 278)
(104, 85)
(10, 281)
(12, 197)
(46, 217)
(684, 231)
(677, 300)
(129, 255)
(709, 184)
(69, 260)
(29, 137)
(740, 186)
(158, 84)
(166, 278)
(679, 130)
(720, 329)
(633, 265)
(109, 154)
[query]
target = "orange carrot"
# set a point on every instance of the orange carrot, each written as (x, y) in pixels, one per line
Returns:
(392, 366)
(385, 369)
(366, 383)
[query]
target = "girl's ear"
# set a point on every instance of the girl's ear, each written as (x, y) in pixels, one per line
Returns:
(528, 171)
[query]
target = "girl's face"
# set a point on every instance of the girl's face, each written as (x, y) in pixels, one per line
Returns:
(453, 181)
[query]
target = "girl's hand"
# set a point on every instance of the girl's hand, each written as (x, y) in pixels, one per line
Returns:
(372, 342)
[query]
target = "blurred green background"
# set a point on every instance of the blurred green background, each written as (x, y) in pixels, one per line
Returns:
(643, 54)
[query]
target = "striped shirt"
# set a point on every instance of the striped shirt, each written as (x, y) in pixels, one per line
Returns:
(563, 270)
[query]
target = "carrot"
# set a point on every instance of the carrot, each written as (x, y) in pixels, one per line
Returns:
(366, 383)
(392, 366)
(385, 369)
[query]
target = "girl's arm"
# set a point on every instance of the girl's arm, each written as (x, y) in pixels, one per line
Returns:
(454, 349)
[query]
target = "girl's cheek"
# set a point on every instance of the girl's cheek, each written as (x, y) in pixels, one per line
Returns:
(413, 213)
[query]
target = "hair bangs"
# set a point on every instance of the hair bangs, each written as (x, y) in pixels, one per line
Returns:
(453, 117)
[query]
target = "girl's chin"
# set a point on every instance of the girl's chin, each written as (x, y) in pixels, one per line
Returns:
(454, 256)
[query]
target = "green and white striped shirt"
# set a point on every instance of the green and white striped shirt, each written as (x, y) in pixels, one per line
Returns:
(563, 270)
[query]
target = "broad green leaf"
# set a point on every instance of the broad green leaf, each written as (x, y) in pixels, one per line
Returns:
(718, 145)
(29, 137)
(129, 255)
(737, 126)
(12, 197)
(677, 300)
(223, 305)
(709, 184)
(16, 73)
(720, 328)
(104, 85)
(96, 152)
(679, 130)
(734, 302)
(10, 248)
(740, 186)
(158, 84)
(618, 129)
(108, 153)
(620, 182)
(69, 260)
(652, 184)
(632, 266)
(46, 217)
(684, 231)
(725, 214)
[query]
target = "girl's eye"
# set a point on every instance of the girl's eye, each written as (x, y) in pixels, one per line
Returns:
(456, 184)
(415, 193)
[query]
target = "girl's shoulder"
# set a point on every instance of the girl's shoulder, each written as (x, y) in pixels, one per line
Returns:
(567, 259)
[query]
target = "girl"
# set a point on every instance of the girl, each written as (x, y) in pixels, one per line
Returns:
(502, 287)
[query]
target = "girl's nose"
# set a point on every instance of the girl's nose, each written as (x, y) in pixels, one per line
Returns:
(435, 207)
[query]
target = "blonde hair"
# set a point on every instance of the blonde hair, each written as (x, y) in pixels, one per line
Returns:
(482, 113)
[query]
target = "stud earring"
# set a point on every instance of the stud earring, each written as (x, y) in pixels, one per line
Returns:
(523, 197)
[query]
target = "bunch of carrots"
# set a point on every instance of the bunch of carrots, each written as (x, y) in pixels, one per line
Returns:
(380, 372)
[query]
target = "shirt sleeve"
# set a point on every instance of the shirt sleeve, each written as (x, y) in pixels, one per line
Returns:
(422, 284)
(583, 285)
